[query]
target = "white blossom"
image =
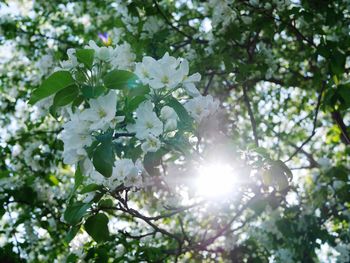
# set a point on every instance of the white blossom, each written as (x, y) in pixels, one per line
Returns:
(170, 117)
(102, 111)
(124, 171)
(147, 122)
(72, 61)
(16, 150)
(101, 53)
(152, 144)
(75, 136)
(188, 81)
(151, 26)
(123, 57)
(201, 107)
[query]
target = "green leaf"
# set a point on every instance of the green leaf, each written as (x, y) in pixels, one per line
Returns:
(186, 121)
(138, 90)
(258, 206)
(267, 177)
(106, 203)
(120, 79)
(65, 96)
(78, 178)
(344, 92)
(71, 233)
(152, 160)
(97, 227)
(179, 143)
(279, 176)
(103, 158)
(134, 103)
(285, 169)
(72, 258)
(75, 212)
(56, 82)
(337, 63)
(85, 56)
(90, 188)
(90, 92)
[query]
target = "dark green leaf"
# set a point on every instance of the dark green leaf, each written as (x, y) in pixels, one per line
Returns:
(71, 233)
(344, 92)
(90, 92)
(186, 121)
(85, 56)
(285, 169)
(75, 212)
(138, 90)
(134, 103)
(152, 160)
(103, 158)
(57, 81)
(65, 96)
(90, 188)
(120, 79)
(97, 227)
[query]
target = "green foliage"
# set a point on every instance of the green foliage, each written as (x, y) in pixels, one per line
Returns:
(56, 82)
(103, 158)
(97, 227)
(86, 56)
(75, 212)
(185, 119)
(288, 56)
(120, 79)
(91, 91)
(65, 96)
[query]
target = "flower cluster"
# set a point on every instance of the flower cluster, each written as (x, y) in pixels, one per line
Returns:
(77, 132)
(167, 72)
(153, 121)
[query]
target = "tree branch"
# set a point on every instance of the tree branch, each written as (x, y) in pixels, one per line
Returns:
(336, 116)
(313, 132)
(251, 115)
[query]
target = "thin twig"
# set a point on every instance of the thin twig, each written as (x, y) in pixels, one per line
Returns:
(251, 115)
(313, 132)
(174, 27)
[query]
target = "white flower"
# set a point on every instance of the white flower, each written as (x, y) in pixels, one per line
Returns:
(168, 113)
(188, 81)
(159, 73)
(21, 108)
(117, 34)
(101, 53)
(151, 26)
(170, 125)
(123, 58)
(201, 107)
(165, 73)
(101, 112)
(44, 64)
(142, 69)
(170, 117)
(152, 144)
(75, 137)
(124, 172)
(16, 150)
(134, 178)
(89, 170)
(72, 61)
(147, 122)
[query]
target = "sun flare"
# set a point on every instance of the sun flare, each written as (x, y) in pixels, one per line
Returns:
(215, 180)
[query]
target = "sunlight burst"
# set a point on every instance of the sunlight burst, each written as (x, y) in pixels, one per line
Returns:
(215, 180)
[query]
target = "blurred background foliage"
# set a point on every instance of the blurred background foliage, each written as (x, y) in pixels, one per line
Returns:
(280, 69)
